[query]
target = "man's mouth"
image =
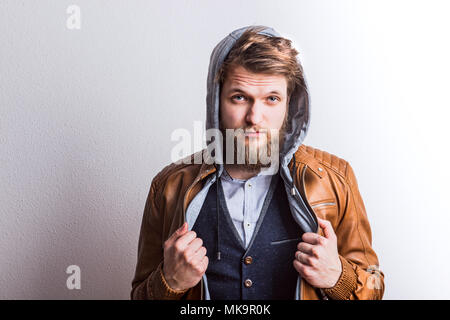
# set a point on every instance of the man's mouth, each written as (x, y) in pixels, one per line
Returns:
(255, 133)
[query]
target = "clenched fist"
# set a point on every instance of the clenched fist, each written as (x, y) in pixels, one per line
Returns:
(185, 259)
(317, 259)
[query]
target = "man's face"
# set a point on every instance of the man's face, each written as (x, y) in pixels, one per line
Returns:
(253, 102)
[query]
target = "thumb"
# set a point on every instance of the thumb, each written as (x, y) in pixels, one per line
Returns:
(327, 228)
(183, 228)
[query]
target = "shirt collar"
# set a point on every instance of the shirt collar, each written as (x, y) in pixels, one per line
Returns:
(226, 176)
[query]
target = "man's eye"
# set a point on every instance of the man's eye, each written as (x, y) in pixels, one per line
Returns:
(238, 95)
(275, 98)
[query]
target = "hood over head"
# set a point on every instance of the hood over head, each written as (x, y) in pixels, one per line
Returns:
(296, 129)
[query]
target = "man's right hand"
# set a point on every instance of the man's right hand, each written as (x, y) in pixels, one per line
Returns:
(185, 259)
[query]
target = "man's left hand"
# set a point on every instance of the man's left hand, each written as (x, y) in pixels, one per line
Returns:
(317, 260)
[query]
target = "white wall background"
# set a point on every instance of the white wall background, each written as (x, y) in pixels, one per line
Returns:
(86, 117)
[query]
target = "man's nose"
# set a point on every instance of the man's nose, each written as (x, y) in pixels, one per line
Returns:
(254, 115)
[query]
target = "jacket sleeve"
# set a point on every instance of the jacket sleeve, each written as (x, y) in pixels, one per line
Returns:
(361, 277)
(149, 282)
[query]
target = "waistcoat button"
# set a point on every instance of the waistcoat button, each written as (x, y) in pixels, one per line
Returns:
(248, 260)
(248, 283)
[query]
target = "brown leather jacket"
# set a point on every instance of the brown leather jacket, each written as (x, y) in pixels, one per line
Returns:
(326, 181)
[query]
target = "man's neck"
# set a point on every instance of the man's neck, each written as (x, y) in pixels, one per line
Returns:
(241, 172)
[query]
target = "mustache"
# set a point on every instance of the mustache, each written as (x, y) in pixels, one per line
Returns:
(251, 129)
(254, 129)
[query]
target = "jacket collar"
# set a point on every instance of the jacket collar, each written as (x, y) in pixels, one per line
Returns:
(306, 158)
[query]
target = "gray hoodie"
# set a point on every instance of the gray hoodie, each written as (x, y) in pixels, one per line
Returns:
(298, 123)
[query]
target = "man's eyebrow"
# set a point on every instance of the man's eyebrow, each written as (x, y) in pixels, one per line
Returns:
(242, 91)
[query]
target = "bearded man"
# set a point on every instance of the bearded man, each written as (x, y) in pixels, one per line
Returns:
(269, 217)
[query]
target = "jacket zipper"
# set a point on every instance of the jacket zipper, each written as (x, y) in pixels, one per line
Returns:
(323, 204)
(324, 296)
(304, 193)
(312, 212)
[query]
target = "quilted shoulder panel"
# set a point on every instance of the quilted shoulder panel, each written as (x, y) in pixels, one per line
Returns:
(329, 160)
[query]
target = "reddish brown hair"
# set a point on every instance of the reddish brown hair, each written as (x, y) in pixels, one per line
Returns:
(259, 53)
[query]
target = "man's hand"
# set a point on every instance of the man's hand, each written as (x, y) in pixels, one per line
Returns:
(317, 260)
(185, 259)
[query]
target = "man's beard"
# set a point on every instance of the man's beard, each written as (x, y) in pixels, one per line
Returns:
(254, 152)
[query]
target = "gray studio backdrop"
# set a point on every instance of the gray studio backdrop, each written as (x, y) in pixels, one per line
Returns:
(87, 110)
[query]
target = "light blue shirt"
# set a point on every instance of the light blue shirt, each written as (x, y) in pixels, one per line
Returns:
(244, 200)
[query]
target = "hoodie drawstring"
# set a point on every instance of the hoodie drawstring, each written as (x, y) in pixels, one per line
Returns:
(217, 211)
(294, 173)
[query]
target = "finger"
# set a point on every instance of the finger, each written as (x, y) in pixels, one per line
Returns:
(303, 269)
(199, 255)
(307, 248)
(193, 246)
(298, 267)
(327, 228)
(204, 263)
(312, 238)
(178, 233)
(183, 241)
(303, 258)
